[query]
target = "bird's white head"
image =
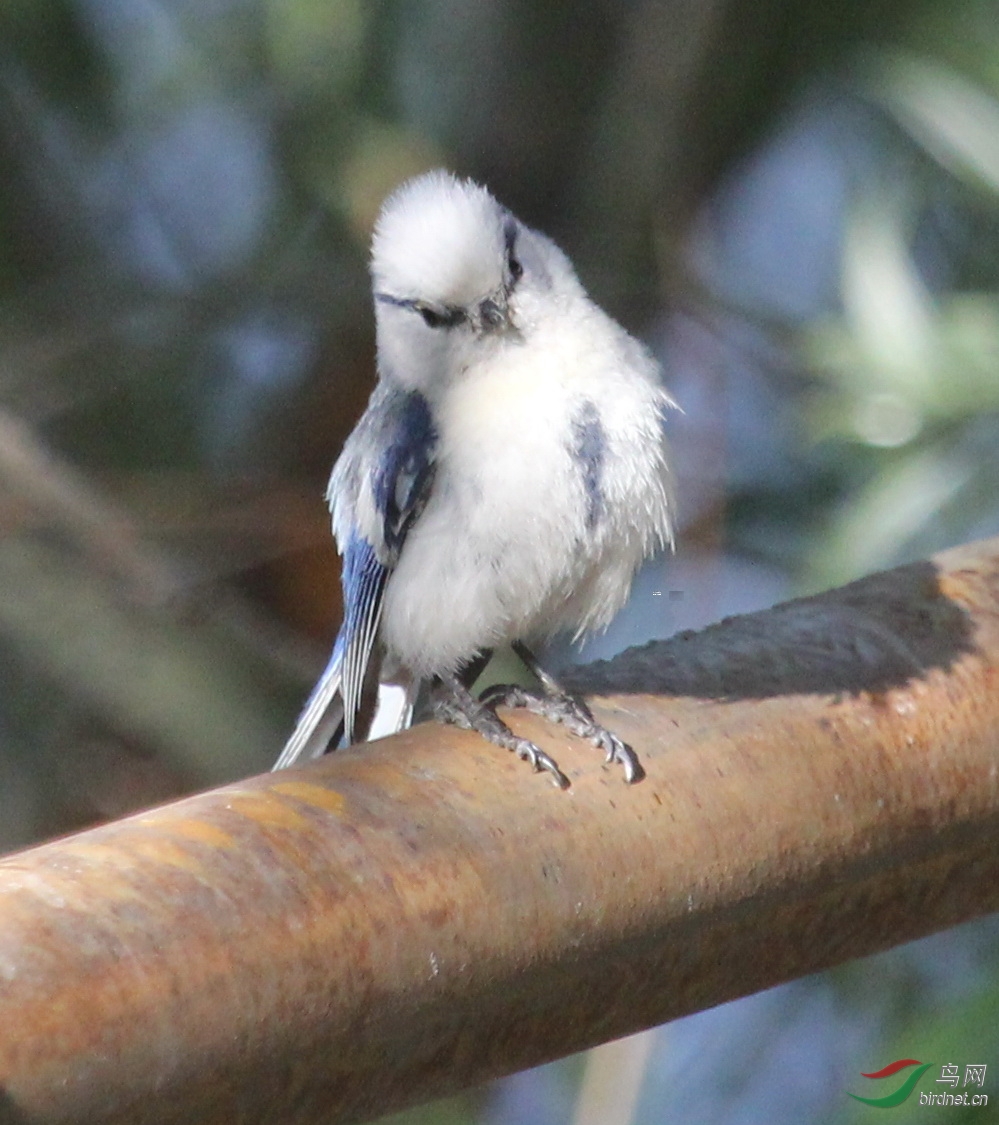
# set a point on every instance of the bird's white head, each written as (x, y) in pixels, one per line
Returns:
(453, 271)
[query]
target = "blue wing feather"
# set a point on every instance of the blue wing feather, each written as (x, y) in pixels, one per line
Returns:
(321, 721)
(402, 480)
(390, 457)
(363, 584)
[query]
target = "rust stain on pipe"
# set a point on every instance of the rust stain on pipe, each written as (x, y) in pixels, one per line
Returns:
(398, 921)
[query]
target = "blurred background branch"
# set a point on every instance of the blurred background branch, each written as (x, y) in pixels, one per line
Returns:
(796, 204)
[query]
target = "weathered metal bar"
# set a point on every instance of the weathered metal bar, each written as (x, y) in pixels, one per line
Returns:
(401, 920)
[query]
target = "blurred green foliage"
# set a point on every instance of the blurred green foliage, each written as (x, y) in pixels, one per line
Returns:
(908, 370)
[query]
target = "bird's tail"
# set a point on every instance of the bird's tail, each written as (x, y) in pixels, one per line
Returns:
(322, 726)
(321, 722)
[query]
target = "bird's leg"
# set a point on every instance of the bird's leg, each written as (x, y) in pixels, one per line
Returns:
(455, 704)
(558, 706)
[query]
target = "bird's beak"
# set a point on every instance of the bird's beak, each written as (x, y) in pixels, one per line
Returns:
(493, 314)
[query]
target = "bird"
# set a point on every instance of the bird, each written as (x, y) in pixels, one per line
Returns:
(506, 480)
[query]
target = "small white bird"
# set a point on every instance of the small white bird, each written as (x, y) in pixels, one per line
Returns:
(504, 484)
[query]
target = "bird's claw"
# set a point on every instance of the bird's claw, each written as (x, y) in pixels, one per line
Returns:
(575, 716)
(460, 708)
(539, 760)
(619, 751)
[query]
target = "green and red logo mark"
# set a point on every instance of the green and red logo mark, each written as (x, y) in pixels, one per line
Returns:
(889, 1101)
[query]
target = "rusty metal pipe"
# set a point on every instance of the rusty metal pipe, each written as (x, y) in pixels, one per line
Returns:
(399, 921)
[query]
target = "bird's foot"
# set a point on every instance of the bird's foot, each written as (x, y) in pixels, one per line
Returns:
(559, 707)
(456, 705)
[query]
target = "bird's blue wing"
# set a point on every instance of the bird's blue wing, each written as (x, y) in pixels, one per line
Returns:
(378, 488)
(404, 474)
(398, 476)
(364, 578)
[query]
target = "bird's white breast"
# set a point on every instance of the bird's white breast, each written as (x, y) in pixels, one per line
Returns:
(504, 549)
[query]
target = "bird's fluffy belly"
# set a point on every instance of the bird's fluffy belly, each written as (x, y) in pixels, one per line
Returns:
(486, 564)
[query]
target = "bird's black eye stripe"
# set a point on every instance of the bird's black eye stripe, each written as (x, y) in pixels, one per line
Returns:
(447, 316)
(512, 261)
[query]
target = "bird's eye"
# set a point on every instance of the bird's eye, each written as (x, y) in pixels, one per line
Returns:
(515, 268)
(447, 317)
(432, 318)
